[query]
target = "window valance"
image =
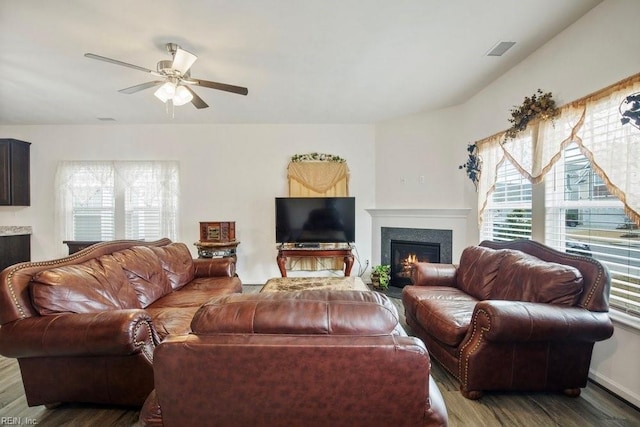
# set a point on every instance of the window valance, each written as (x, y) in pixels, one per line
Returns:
(594, 124)
(319, 176)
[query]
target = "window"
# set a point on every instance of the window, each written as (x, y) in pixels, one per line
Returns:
(582, 217)
(507, 215)
(590, 203)
(99, 201)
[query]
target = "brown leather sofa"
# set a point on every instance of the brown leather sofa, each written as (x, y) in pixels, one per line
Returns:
(306, 358)
(511, 316)
(84, 327)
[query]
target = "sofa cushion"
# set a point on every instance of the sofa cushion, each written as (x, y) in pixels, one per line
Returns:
(443, 312)
(301, 312)
(188, 297)
(171, 320)
(96, 285)
(477, 270)
(215, 284)
(144, 270)
(523, 277)
(177, 263)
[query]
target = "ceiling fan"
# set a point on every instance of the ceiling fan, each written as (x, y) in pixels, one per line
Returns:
(175, 78)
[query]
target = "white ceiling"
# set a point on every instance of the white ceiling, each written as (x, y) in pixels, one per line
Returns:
(304, 61)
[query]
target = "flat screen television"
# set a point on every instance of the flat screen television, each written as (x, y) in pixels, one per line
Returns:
(315, 219)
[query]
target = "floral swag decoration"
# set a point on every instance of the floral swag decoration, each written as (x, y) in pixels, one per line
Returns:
(539, 106)
(318, 157)
(473, 164)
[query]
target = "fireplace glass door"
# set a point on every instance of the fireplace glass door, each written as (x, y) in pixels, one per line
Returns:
(404, 253)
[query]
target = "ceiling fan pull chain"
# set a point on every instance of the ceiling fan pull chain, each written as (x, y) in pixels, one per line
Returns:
(167, 110)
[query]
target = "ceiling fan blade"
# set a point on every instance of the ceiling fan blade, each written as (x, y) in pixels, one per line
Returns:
(124, 64)
(142, 86)
(220, 86)
(183, 60)
(196, 101)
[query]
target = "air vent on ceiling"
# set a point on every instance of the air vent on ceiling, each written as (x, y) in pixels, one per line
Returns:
(106, 119)
(500, 48)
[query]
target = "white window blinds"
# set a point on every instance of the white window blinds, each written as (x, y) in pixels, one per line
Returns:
(584, 218)
(99, 201)
(507, 214)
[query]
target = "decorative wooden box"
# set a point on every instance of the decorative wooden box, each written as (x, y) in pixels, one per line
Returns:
(218, 231)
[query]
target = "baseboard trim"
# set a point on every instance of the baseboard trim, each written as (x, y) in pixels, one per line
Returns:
(616, 389)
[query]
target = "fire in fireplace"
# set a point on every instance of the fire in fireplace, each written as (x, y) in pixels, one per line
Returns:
(404, 253)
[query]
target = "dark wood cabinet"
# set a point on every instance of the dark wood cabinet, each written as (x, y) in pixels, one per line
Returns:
(78, 245)
(15, 183)
(14, 249)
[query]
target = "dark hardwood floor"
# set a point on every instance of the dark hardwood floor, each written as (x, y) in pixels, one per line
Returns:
(594, 407)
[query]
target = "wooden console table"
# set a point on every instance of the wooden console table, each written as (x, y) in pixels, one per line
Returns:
(321, 252)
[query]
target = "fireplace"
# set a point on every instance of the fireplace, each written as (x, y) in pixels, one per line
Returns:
(404, 253)
(426, 244)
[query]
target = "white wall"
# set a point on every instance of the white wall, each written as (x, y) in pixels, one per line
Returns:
(422, 145)
(228, 173)
(597, 51)
(430, 145)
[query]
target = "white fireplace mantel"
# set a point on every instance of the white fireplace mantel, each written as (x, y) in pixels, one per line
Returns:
(419, 213)
(439, 219)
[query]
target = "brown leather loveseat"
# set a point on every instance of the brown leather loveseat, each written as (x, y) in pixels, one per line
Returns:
(511, 316)
(84, 327)
(306, 358)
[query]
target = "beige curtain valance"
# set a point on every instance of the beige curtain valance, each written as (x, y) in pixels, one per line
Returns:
(320, 176)
(593, 123)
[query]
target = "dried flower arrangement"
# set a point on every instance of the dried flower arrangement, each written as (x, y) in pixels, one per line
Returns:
(631, 107)
(319, 157)
(540, 105)
(473, 164)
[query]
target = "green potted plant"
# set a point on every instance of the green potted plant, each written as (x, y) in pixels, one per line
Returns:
(380, 276)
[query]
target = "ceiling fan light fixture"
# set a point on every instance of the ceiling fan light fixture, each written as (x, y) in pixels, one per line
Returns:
(166, 92)
(182, 96)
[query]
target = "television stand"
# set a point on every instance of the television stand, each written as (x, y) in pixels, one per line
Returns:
(318, 251)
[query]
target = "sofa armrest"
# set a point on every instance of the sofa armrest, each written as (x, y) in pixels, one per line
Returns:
(509, 321)
(433, 274)
(215, 267)
(118, 332)
(151, 414)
